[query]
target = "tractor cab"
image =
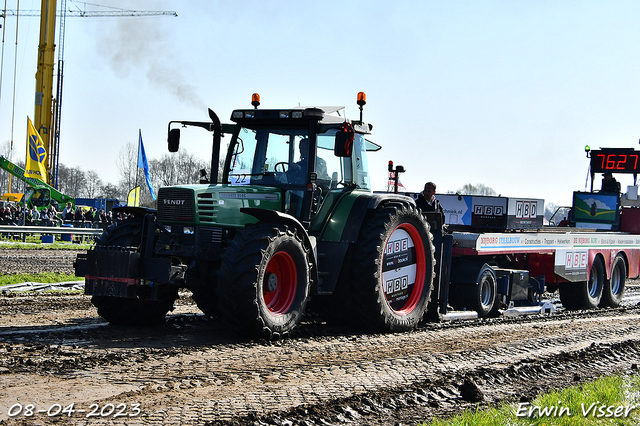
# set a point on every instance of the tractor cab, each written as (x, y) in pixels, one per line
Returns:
(308, 155)
(39, 198)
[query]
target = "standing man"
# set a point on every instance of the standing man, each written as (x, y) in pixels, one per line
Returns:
(609, 183)
(427, 199)
(67, 212)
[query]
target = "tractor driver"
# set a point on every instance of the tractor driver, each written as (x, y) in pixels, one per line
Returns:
(297, 171)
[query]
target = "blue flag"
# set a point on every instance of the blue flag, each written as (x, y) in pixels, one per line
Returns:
(142, 162)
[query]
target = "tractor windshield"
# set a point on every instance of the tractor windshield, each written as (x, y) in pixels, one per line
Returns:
(278, 157)
(262, 157)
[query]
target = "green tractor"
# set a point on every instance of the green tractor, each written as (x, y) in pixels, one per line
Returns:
(292, 224)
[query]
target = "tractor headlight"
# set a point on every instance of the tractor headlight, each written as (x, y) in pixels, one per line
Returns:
(296, 114)
(189, 230)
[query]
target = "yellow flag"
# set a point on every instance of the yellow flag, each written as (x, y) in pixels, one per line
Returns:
(36, 154)
(133, 200)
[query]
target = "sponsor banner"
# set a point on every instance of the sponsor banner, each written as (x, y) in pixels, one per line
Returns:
(525, 213)
(572, 264)
(489, 212)
(399, 268)
(535, 242)
(457, 209)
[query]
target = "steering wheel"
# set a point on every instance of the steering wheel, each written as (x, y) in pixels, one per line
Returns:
(284, 164)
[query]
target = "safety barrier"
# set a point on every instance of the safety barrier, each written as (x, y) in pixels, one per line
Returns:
(50, 231)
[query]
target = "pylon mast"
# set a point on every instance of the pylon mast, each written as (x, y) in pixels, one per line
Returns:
(44, 76)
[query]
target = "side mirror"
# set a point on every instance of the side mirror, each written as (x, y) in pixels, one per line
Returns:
(344, 142)
(173, 140)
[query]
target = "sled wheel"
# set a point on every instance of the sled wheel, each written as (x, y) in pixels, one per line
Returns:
(392, 271)
(614, 287)
(264, 281)
(478, 290)
(150, 306)
(481, 297)
(584, 294)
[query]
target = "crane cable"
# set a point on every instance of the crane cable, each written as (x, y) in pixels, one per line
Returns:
(4, 28)
(15, 68)
(15, 72)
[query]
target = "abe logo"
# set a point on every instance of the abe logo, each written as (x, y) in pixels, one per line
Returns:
(526, 209)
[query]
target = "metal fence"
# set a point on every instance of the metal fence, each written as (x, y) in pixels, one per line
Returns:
(68, 231)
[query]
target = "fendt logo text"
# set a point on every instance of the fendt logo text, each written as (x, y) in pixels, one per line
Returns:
(173, 202)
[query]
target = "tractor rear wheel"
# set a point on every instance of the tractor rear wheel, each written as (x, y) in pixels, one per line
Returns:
(150, 306)
(392, 270)
(263, 284)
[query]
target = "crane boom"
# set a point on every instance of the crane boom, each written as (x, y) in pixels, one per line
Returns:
(94, 14)
(38, 194)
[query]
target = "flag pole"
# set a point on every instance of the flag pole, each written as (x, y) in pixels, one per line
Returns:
(138, 165)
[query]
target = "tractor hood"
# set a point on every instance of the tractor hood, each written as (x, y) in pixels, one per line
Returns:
(217, 205)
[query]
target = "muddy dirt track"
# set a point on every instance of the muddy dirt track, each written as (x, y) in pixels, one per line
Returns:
(56, 354)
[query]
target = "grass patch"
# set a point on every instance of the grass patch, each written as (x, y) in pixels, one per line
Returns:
(607, 401)
(45, 278)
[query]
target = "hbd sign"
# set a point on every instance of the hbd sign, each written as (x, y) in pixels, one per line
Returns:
(488, 210)
(526, 209)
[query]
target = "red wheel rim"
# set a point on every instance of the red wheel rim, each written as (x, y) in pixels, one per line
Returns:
(414, 268)
(282, 269)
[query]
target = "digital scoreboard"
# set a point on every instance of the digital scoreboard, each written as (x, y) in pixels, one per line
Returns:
(615, 160)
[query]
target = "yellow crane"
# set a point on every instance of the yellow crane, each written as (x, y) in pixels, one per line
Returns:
(47, 108)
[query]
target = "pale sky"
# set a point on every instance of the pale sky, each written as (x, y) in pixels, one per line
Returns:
(500, 93)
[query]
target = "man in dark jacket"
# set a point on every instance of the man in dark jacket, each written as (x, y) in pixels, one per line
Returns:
(427, 199)
(609, 183)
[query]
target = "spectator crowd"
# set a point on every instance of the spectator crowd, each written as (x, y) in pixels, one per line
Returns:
(88, 217)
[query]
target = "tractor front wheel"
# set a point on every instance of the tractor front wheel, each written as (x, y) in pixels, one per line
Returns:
(264, 281)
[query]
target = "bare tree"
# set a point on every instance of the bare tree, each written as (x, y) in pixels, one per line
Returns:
(127, 164)
(72, 181)
(176, 169)
(109, 190)
(478, 189)
(17, 186)
(93, 184)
